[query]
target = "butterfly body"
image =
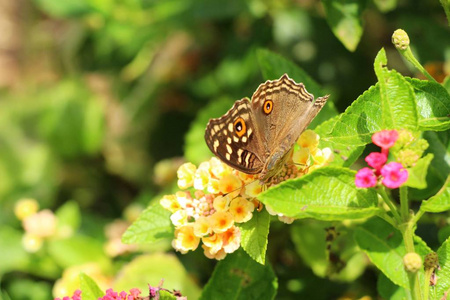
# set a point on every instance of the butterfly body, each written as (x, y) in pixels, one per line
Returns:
(256, 136)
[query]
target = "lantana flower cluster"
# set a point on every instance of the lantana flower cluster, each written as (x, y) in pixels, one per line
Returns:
(134, 294)
(216, 198)
(38, 225)
(392, 174)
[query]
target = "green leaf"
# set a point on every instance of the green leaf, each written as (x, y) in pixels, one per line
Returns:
(344, 154)
(76, 250)
(273, 66)
(64, 9)
(344, 18)
(417, 174)
(240, 277)
(254, 235)
(433, 104)
(384, 245)
(439, 146)
(90, 289)
(68, 218)
(439, 202)
(152, 225)
(309, 237)
(398, 105)
(388, 290)
(327, 193)
(196, 150)
(443, 274)
(23, 288)
(386, 5)
(13, 254)
(149, 269)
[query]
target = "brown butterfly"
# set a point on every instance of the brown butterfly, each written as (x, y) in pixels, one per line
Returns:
(255, 136)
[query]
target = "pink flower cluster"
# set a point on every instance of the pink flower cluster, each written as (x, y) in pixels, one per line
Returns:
(76, 296)
(111, 295)
(393, 173)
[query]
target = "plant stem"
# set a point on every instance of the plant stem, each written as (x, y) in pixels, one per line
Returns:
(428, 273)
(406, 228)
(407, 53)
(388, 201)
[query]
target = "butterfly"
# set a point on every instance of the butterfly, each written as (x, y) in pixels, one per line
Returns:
(256, 136)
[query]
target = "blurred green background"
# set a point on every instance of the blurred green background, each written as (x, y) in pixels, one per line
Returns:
(101, 99)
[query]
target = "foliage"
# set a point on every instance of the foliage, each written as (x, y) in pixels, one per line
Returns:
(102, 102)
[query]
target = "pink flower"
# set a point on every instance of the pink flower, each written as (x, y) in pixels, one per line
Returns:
(135, 292)
(376, 160)
(385, 139)
(394, 175)
(365, 178)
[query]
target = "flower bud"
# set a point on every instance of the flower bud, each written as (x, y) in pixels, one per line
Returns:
(25, 208)
(431, 261)
(412, 262)
(400, 39)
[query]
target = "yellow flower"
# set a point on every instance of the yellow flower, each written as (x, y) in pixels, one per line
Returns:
(41, 224)
(220, 221)
(185, 239)
(218, 168)
(301, 157)
(214, 243)
(213, 186)
(246, 177)
(321, 157)
(31, 242)
(230, 184)
(218, 255)
(286, 220)
(202, 227)
(170, 203)
(231, 239)
(253, 189)
(308, 139)
(185, 175)
(202, 176)
(184, 199)
(281, 217)
(25, 208)
(179, 218)
(241, 209)
(221, 202)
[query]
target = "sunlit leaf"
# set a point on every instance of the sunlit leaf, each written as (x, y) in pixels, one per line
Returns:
(344, 18)
(89, 289)
(327, 193)
(439, 202)
(443, 274)
(418, 173)
(240, 277)
(398, 105)
(152, 225)
(433, 104)
(254, 235)
(385, 248)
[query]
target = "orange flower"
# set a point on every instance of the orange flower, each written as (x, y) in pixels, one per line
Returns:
(241, 209)
(185, 239)
(220, 221)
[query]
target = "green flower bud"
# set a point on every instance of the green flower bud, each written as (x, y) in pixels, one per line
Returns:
(412, 262)
(431, 261)
(400, 39)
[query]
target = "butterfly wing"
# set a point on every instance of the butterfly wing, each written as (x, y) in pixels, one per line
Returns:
(234, 138)
(283, 109)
